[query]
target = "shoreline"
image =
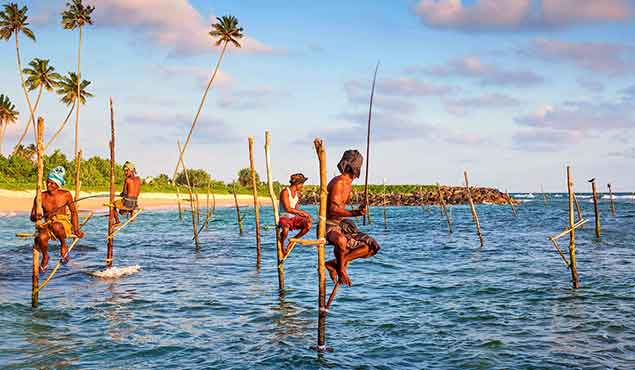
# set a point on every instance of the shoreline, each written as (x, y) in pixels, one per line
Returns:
(21, 201)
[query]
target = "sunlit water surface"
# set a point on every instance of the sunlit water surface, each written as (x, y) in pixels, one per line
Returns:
(428, 300)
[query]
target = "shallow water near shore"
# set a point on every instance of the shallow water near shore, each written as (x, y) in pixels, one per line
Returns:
(428, 300)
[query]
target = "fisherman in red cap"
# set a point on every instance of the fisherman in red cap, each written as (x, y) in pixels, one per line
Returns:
(291, 216)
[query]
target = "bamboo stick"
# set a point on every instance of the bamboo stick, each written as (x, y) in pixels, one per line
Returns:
(574, 272)
(178, 201)
(474, 214)
(207, 210)
(111, 236)
(238, 218)
(321, 233)
(78, 166)
(370, 113)
(511, 204)
(35, 278)
(577, 207)
(612, 202)
(559, 250)
(384, 201)
(567, 231)
(444, 208)
(111, 210)
(276, 216)
(254, 185)
(596, 208)
(192, 205)
(198, 208)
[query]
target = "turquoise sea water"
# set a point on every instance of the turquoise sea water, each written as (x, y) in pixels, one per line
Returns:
(428, 300)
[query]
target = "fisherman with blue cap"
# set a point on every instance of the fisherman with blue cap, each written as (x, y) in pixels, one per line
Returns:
(57, 225)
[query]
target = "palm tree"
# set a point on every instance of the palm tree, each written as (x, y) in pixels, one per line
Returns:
(8, 115)
(39, 76)
(12, 23)
(68, 88)
(76, 16)
(225, 31)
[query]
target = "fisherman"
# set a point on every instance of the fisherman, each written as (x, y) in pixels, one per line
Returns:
(57, 225)
(130, 194)
(291, 216)
(350, 243)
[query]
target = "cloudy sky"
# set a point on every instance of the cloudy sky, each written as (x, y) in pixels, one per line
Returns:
(511, 90)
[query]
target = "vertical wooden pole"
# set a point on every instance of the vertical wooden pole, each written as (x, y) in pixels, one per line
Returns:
(321, 234)
(384, 201)
(207, 210)
(544, 196)
(511, 204)
(474, 214)
(444, 209)
(178, 201)
(198, 207)
(111, 208)
(596, 209)
(78, 167)
(238, 218)
(578, 208)
(192, 201)
(612, 202)
(35, 278)
(574, 272)
(276, 215)
(254, 185)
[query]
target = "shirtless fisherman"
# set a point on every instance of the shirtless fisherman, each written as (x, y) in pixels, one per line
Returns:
(349, 242)
(130, 193)
(291, 216)
(57, 225)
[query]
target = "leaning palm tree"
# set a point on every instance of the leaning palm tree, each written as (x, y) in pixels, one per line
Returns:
(12, 23)
(225, 31)
(68, 88)
(40, 76)
(8, 115)
(77, 15)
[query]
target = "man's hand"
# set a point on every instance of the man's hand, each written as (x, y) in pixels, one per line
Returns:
(362, 210)
(305, 214)
(79, 234)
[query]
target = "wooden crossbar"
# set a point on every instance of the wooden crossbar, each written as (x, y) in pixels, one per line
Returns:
(124, 224)
(307, 241)
(557, 246)
(575, 226)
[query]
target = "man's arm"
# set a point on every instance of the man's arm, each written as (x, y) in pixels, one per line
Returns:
(124, 192)
(337, 202)
(74, 216)
(34, 211)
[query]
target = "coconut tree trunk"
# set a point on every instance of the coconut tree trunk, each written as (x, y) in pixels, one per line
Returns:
(26, 93)
(59, 130)
(28, 124)
(198, 112)
(2, 128)
(78, 103)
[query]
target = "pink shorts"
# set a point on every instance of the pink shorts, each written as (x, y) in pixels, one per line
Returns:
(293, 223)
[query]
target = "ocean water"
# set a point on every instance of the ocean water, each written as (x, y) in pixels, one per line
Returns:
(428, 300)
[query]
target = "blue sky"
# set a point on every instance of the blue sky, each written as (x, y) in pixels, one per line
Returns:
(511, 90)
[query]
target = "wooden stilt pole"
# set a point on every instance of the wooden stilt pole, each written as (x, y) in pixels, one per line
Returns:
(78, 167)
(192, 200)
(444, 209)
(254, 185)
(596, 208)
(276, 215)
(111, 210)
(321, 233)
(577, 207)
(574, 272)
(612, 202)
(198, 207)
(384, 201)
(35, 278)
(238, 218)
(474, 214)
(178, 201)
(207, 210)
(511, 204)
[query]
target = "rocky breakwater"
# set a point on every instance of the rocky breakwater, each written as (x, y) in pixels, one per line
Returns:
(427, 196)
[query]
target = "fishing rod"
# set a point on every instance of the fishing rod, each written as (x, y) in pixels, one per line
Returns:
(370, 113)
(80, 199)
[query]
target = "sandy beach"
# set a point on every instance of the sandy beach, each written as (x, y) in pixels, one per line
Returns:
(12, 201)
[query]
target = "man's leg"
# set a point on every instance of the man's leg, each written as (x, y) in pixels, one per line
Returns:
(60, 234)
(42, 243)
(284, 232)
(305, 227)
(337, 267)
(117, 221)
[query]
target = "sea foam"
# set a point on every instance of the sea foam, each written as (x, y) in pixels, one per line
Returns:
(116, 272)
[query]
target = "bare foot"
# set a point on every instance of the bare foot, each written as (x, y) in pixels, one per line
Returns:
(44, 264)
(331, 267)
(343, 278)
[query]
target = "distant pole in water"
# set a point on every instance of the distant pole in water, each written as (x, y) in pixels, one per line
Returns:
(577, 207)
(612, 203)
(444, 209)
(238, 218)
(370, 114)
(111, 202)
(511, 204)
(254, 185)
(574, 272)
(321, 234)
(207, 210)
(544, 195)
(596, 208)
(384, 201)
(192, 200)
(35, 278)
(474, 215)
(276, 215)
